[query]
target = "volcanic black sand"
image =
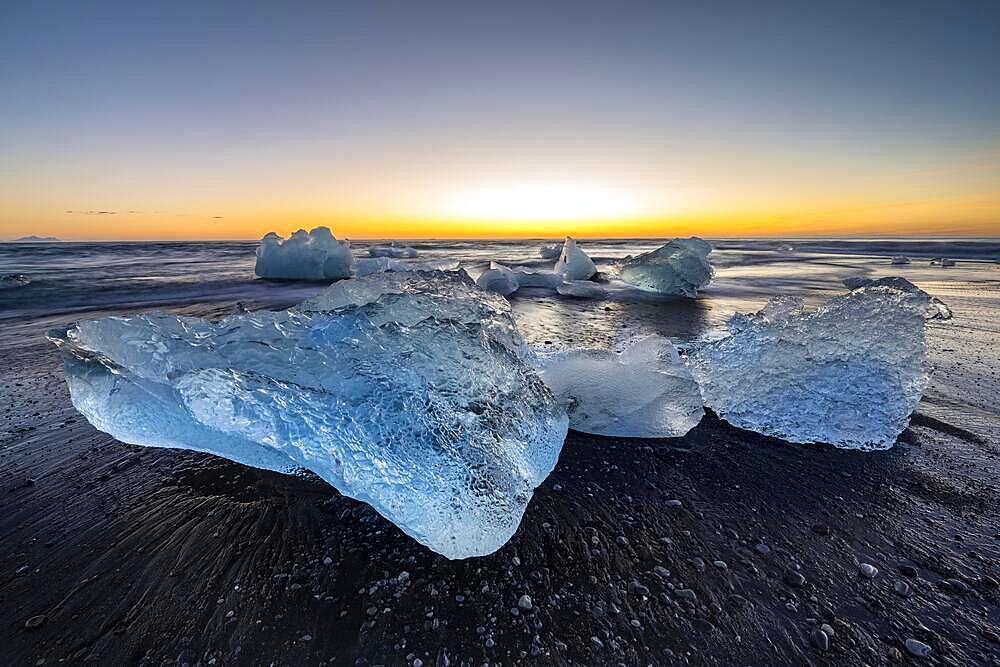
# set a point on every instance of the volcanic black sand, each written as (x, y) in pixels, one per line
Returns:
(722, 547)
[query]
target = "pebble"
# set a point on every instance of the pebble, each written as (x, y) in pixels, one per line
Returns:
(828, 630)
(794, 578)
(762, 549)
(327, 561)
(597, 642)
(721, 564)
(524, 602)
(895, 654)
(638, 588)
(902, 588)
(821, 529)
(686, 594)
(820, 640)
(908, 571)
(674, 503)
(402, 576)
(917, 648)
(868, 571)
(35, 621)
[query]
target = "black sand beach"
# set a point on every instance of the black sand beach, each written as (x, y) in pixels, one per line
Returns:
(722, 547)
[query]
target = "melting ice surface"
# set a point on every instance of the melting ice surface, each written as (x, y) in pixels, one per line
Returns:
(573, 263)
(314, 255)
(679, 268)
(644, 392)
(408, 391)
(849, 374)
(498, 278)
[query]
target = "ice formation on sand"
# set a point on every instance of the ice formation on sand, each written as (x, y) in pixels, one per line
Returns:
(547, 279)
(550, 251)
(407, 391)
(679, 268)
(849, 374)
(936, 309)
(498, 278)
(394, 249)
(644, 392)
(583, 289)
(314, 255)
(573, 263)
(368, 265)
(900, 259)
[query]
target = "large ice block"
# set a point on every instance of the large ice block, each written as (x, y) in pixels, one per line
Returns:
(679, 268)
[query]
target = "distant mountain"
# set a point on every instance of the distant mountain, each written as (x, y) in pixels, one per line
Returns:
(37, 239)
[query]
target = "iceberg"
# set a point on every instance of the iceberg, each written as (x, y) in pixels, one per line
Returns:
(394, 249)
(900, 259)
(645, 392)
(314, 255)
(550, 251)
(408, 391)
(573, 263)
(679, 268)
(848, 374)
(498, 278)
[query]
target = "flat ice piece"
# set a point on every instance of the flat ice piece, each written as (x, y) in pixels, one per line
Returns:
(395, 249)
(550, 251)
(900, 259)
(314, 255)
(936, 309)
(547, 279)
(573, 263)
(369, 265)
(582, 289)
(849, 374)
(409, 393)
(645, 392)
(498, 278)
(679, 268)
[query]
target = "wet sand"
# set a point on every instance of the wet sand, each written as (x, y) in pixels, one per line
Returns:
(635, 552)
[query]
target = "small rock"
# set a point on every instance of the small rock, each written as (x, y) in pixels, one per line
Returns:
(902, 589)
(721, 564)
(828, 629)
(868, 571)
(820, 640)
(524, 602)
(674, 503)
(821, 529)
(686, 594)
(794, 578)
(917, 648)
(35, 621)
(908, 571)
(895, 654)
(762, 549)
(328, 561)
(597, 642)
(402, 576)
(638, 589)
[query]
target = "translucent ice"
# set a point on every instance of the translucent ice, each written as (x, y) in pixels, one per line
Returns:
(407, 391)
(498, 278)
(14, 280)
(573, 263)
(679, 268)
(314, 255)
(644, 392)
(548, 279)
(368, 265)
(395, 249)
(583, 289)
(900, 259)
(848, 374)
(936, 309)
(550, 251)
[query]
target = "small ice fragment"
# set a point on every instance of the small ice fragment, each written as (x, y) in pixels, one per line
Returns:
(498, 278)
(849, 374)
(14, 280)
(942, 261)
(900, 259)
(573, 263)
(395, 249)
(644, 392)
(679, 268)
(584, 289)
(407, 391)
(547, 279)
(550, 251)
(314, 255)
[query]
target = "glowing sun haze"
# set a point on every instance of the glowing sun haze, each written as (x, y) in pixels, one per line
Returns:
(228, 120)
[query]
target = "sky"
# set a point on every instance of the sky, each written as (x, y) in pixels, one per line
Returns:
(215, 120)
